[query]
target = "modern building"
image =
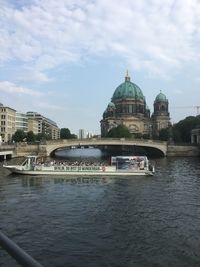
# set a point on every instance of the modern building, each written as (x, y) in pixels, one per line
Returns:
(128, 107)
(21, 122)
(89, 135)
(7, 123)
(45, 125)
(81, 134)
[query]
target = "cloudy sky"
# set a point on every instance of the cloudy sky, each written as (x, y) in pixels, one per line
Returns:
(65, 58)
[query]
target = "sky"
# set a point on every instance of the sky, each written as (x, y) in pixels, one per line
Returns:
(64, 59)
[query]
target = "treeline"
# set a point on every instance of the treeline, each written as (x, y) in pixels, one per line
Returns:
(30, 137)
(179, 132)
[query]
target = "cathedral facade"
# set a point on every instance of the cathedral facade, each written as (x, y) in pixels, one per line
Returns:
(128, 107)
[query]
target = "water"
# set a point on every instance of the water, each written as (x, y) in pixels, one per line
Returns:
(139, 221)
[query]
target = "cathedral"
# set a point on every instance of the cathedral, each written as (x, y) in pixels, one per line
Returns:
(128, 107)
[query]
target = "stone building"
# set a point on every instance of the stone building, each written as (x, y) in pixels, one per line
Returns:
(160, 117)
(128, 107)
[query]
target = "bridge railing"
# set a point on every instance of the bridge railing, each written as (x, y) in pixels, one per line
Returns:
(93, 140)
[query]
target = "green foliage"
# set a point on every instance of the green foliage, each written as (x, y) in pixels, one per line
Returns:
(164, 134)
(119, 131)
(73, 136)
(30, 137)
(19, 136)
(182, 130)
(177, 135)
(66, 134)
(40, 137)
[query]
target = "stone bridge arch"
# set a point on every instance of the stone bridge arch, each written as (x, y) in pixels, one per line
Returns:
(53, 145)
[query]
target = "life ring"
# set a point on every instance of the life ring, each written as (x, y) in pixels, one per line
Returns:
(103, 168)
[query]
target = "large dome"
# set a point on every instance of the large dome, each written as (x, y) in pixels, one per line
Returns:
(128, 90)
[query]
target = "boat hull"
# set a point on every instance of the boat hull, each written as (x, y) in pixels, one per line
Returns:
(80, 173)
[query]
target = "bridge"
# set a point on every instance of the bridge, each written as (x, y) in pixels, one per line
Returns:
(6, 151)
(52, 145)
(49, 147)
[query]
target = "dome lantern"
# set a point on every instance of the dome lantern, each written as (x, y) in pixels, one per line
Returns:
(127, 77)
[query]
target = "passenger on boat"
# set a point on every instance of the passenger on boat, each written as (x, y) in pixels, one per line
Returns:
(141, 165)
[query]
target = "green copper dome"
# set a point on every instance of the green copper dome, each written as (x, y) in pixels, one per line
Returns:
(128, 90)
(111, 105)
(161, 97)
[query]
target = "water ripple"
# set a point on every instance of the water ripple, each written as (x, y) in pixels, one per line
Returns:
(140, 221)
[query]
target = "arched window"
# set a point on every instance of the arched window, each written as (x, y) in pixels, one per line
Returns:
(162, 107)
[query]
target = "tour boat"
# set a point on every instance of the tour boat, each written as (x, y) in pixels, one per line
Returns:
(120, 166)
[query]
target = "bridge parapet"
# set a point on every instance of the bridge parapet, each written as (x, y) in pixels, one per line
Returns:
(7, 150)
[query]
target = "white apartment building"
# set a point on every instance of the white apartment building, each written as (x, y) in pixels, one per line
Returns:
(7, 123)
(45, 125)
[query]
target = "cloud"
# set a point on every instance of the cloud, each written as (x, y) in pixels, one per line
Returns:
(12, 88)
(149, 34)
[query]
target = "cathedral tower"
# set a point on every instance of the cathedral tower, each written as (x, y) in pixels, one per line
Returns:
(160, 117)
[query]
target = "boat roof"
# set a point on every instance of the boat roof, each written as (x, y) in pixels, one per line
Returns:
(129, 157)
(32, 156)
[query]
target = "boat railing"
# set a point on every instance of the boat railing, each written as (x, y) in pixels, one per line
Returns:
(23, 258)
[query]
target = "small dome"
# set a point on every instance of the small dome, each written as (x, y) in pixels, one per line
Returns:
(111, 105)
(161, 97)
(128, 90)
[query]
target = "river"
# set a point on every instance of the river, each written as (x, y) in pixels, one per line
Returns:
(138, 221)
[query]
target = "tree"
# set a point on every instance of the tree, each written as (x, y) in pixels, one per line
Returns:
(19, 136)
(164, 134)
(30, 137)
(66, 134)
(119, 131)
(176, 135)
(40, 136)
(183, 128)
(73, 136)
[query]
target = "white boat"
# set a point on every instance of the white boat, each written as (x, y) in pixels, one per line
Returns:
(120, 166)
